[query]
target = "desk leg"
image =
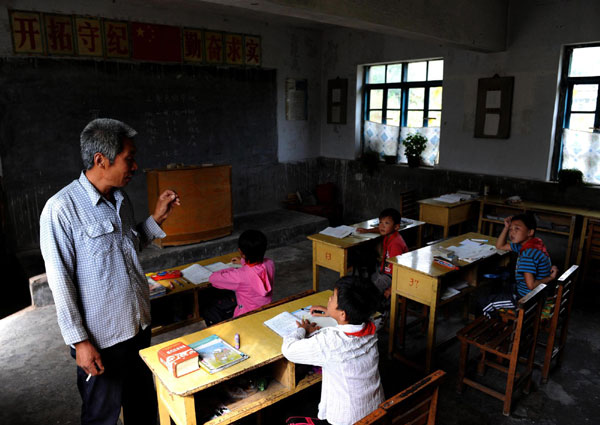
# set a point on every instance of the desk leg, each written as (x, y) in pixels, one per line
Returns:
(182, 408)
(446, 231)
(420, 236)
(393, 309)
(344, 271)
(431, 336)
(582, 239)
(315, 268)
(196, 305)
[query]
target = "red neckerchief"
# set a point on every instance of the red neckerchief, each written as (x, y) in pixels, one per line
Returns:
(368, 329)
(387, 240)
(252, 264)
(535, 243)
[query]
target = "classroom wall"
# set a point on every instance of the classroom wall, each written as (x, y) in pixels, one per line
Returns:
(537, 32)
(183, 113)
(364, 194)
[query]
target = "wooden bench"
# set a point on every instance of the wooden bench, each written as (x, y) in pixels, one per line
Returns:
(502, 342)
(416, 404)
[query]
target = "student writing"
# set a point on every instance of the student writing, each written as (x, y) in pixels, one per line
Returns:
(347, 353)
(253, 282)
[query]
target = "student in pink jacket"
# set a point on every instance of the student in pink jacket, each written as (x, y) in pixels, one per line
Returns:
(253, 282)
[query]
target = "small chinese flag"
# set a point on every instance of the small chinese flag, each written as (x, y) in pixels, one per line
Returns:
(151, 42)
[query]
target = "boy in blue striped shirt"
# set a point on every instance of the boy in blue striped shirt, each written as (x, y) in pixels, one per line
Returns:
(533, 265)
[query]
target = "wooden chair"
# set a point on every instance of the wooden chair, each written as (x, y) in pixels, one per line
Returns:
(591, 259)
(555, 326)
(408, 204)
(506, 338)
(416, 404)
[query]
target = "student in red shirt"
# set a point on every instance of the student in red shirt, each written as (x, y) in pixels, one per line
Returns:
(392, 245)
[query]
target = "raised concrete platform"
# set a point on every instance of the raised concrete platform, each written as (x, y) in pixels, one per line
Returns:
(282, 227)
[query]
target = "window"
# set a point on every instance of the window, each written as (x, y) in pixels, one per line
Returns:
(579, 123)
(402, 98)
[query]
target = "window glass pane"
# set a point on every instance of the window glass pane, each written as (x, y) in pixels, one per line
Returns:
(436, 70)
(416, 71)
(416, 98)
(375, 116)
(414, 119)
(393, 117)
(585, 62)
(435, 98)
(393, 100)
(377, 74)
(376, 99)
(434, 118)
(394, 73)
(582, 122)
(584, 97)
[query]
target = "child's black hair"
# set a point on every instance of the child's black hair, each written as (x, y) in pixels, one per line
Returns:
(392, 213)
(527, 219)
(357, 297)
(253, 244)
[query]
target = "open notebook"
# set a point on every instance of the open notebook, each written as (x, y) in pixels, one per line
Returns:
(285, 323)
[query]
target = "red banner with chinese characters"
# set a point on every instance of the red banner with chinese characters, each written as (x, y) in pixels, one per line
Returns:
(116, 35)
(89, 37)
(68, 35)
(252, 50)
(27, 32)
(161, 43)
(214, 47)
(193, 47)
(59, 34)
(234, 49)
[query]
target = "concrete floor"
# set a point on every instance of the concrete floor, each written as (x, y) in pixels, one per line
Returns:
(37, 375)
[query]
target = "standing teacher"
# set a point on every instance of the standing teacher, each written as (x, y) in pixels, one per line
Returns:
(90, 244)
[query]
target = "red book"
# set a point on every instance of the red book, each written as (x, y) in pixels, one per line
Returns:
(179, 359)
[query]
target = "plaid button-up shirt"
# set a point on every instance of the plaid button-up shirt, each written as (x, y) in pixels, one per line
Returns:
(90, 248)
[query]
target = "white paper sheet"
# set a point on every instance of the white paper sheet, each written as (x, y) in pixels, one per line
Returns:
(338, 232)
(451, 198)
(491, 124)
(215, 267)
(283, 324)
(323, 322)
(196, 273)
(449, 293)
(470, 251)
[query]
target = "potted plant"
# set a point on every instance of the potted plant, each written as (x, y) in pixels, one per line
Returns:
(370, 161)
(570, 177)
(414, 145)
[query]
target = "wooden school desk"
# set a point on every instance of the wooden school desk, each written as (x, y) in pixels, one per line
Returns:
(445, 214)
(415, 276)
(181, 285)
(176, 395)
(552, 218)
(332, 253)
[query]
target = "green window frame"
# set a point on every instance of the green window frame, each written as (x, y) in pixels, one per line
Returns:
(399, 102)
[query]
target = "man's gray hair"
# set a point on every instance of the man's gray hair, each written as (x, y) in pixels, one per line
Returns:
(103, 135)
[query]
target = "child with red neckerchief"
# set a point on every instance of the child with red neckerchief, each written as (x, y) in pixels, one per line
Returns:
(392, 245)
(347, 353)
(533, 268)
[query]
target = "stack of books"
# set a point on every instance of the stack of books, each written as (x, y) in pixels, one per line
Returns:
(156, 289)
